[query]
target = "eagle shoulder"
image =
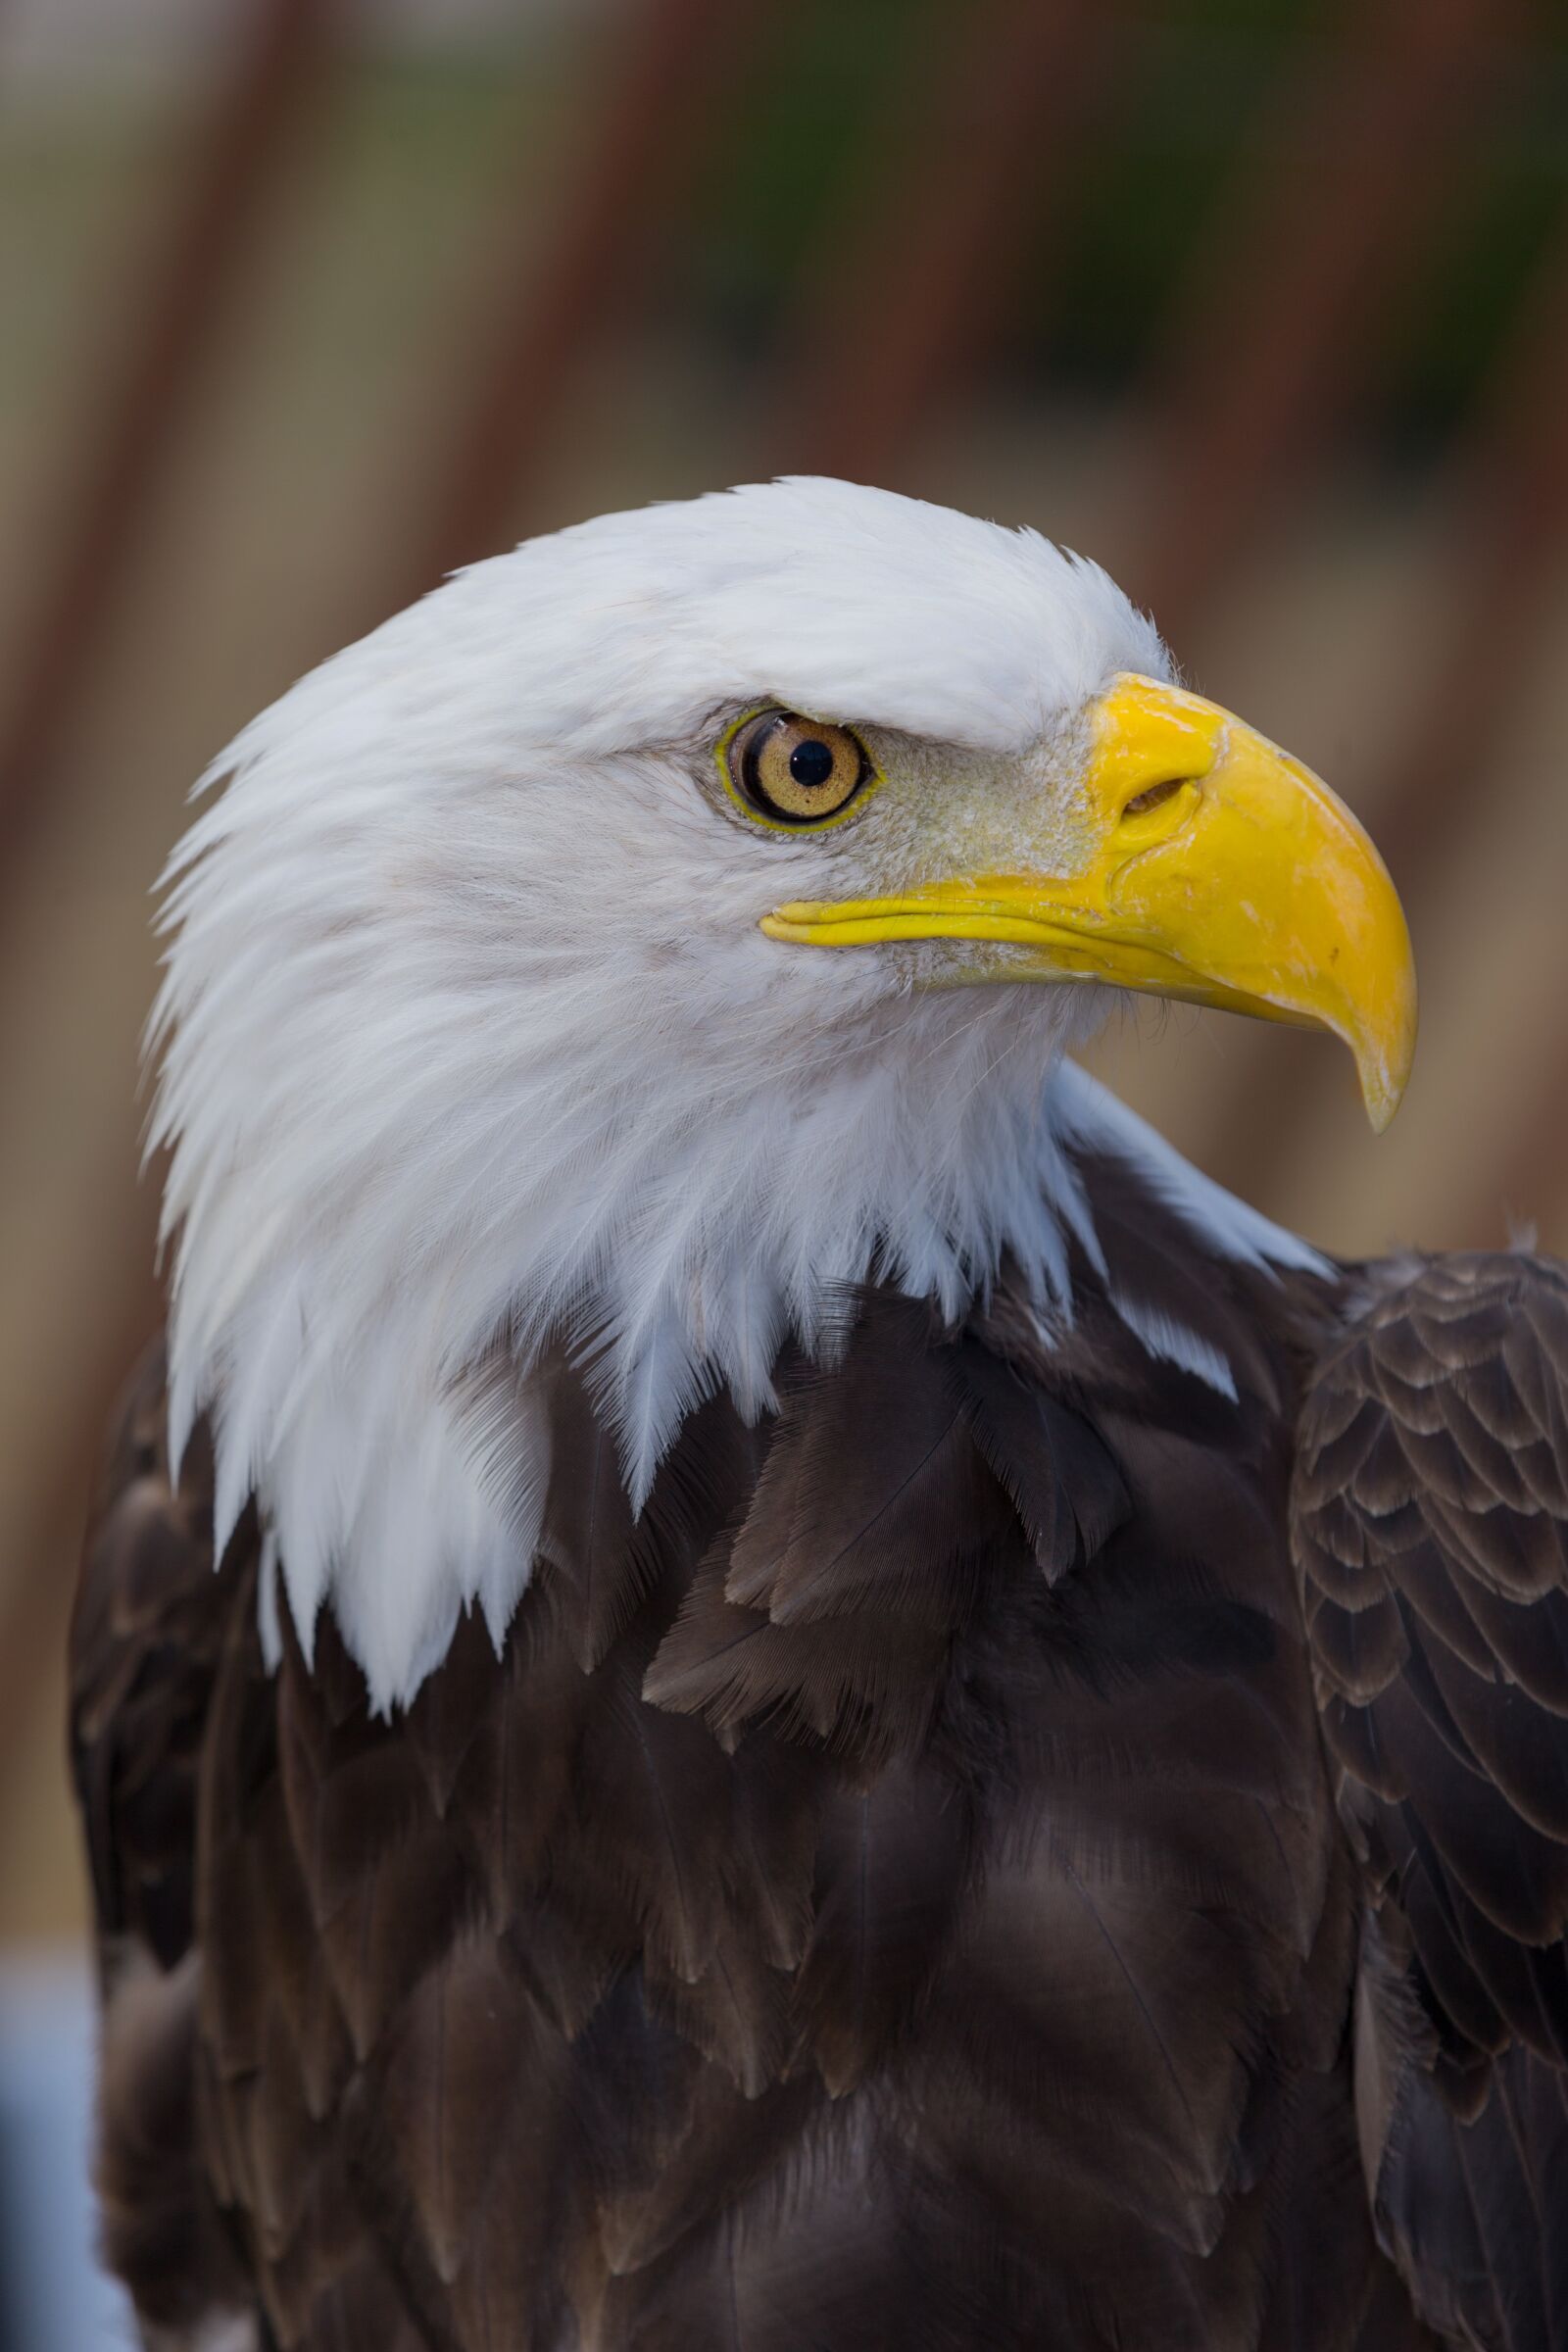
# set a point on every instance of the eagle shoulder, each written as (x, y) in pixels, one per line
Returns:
(148, 1630)
(1429, 1525)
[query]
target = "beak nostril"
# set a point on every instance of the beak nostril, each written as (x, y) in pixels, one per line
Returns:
(1151, 797)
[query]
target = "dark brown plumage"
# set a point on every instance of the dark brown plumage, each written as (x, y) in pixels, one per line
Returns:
(1019, 1850)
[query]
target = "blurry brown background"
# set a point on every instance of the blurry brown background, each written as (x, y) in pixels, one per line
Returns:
(1262, 301)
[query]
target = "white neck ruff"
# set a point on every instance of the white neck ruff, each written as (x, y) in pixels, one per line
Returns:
(672, 1249)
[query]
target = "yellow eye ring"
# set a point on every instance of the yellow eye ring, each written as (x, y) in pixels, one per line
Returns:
(794, 774)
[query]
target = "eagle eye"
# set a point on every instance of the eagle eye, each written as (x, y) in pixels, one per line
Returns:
(793, 771)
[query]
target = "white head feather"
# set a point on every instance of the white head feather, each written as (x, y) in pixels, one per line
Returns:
(469, 1038)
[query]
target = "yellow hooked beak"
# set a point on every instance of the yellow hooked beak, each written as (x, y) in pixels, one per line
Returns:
(1219, 871)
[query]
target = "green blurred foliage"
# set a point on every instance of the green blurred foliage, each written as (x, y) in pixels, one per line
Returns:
(796, 156)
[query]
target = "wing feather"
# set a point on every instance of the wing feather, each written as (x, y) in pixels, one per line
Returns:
(1430, 1521)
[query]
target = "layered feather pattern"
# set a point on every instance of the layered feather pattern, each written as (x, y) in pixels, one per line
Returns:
(1431, 1512)
(886, 1894)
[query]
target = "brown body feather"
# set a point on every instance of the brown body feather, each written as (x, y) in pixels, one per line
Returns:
(897, 1894)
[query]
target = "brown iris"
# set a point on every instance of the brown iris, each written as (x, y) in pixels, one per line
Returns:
(794, 769)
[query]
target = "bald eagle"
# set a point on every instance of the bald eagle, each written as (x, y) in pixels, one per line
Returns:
(841, 1707)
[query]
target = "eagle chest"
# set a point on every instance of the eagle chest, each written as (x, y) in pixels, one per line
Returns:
(896, 1867)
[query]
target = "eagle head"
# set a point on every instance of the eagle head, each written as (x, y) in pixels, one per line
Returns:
(652, 934)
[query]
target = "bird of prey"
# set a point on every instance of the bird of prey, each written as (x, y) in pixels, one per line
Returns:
(750, 1675)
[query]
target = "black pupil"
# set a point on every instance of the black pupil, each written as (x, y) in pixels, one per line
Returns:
(811, 764)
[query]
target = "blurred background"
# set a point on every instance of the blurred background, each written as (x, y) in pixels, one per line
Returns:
(1264, 303)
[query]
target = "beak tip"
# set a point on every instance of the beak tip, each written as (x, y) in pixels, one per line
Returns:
(1383, 1083)
(1382, 1034)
